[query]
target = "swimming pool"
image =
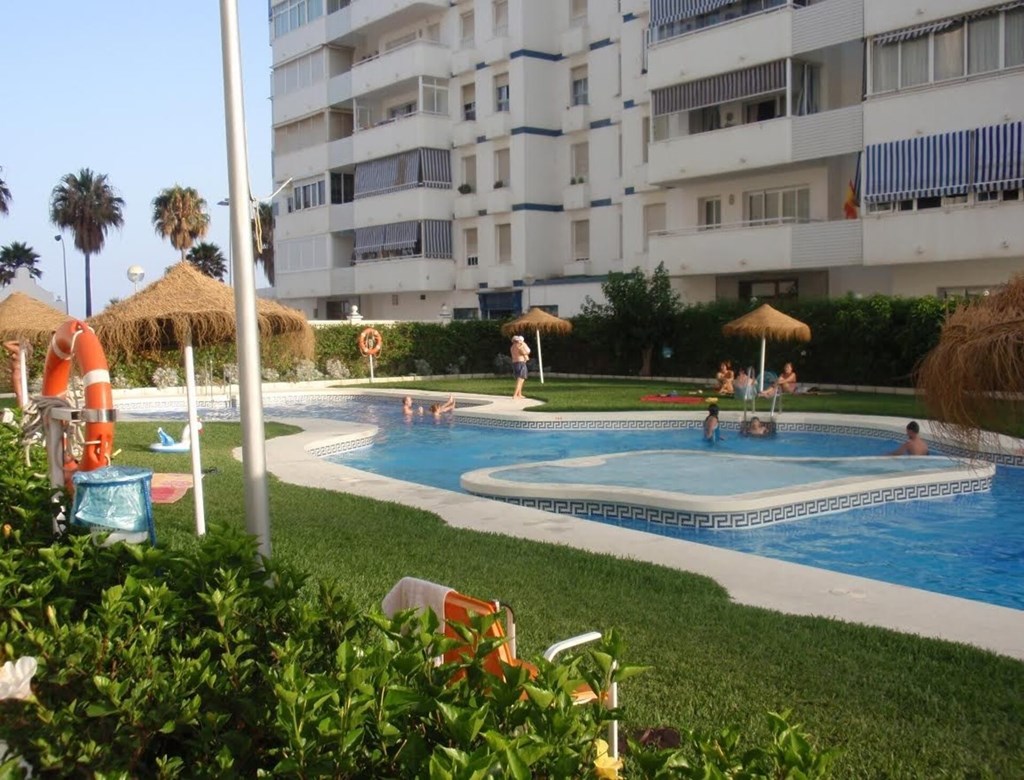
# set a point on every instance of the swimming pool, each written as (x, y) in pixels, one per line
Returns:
(967, 546)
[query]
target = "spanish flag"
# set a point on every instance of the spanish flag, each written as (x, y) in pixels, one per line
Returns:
(851, 204)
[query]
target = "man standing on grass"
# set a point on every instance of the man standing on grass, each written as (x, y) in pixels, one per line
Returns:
(914, 445)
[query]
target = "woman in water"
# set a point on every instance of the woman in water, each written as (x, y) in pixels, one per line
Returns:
(711, 425)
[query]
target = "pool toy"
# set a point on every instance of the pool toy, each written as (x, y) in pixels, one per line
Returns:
(76, 341)
(168, 444)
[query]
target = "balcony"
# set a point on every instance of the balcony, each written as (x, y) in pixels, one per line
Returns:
(746, 248)
(783, 30)
(419, 58)
(574, 40)
(395, 13)
(402, 206)
(339, 153)
(757, 145)
(341, 216)
(465, 60)
(986, 231)
(313, 160)
(339, 89)
(404, 274)
(401, 134)
(300, 224)
(576, 118)
(287, 108)
(465, 133)
(497, 125)
(576, 196)
(466, 206)
(499, 201)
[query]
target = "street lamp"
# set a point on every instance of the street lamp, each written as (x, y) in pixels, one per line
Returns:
(227, 202)
(64, 254)
(135, 275)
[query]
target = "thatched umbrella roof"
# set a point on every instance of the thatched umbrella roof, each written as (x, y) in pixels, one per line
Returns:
(536, 320)
(766, 322)
(187, 304)
(974, 377)
(25, 317)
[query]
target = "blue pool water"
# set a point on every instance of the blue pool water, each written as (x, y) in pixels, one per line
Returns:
(968, 546)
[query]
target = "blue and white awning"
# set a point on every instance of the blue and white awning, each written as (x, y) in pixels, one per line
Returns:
(918, 167)
(999, 157)
(910, 33)
(667, 11)
(437, 238)
(401, 235)
(388, 174)
(369, 241)
(437, 168)
(725, 88)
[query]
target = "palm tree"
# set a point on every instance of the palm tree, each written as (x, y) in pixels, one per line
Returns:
(14, 256)
(263, 239)
(209, 259)
(5, 197)
(179, 215)
(88, 206)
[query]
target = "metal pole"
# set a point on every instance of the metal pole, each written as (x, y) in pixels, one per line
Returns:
(540, 358)
(250, 396)
(193, 429)
(760, 376)
(64, 255)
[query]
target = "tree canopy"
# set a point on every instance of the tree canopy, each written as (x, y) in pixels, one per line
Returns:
(14, 256)
(640, 312)
(5, 196)
(263, 239)
(179, 215)
(209, 259)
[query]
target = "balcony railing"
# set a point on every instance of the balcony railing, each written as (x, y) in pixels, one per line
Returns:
(741, 9)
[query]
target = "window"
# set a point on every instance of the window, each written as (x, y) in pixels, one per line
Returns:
(581, 240)
(402, 40)
(299, 73)
(654, 221)
(885, 67)
(469, 102)
(983, 44)
(763, 110)
(768, 289)
(459, 313)
(578, 86)
(405, 109)
(710, 213)
(435, 95)
(914, 62)
(308, 195)
(579, 156)
(1013, 22)
(503, 239)
(343, 188)
(501, 92)
(992, 197)
(645, 140)
(502, 168)
(949, 54)
(293, 14)
(577, 13)
(469, 171)
(771, 207)
(965, 292)
(500, 9)
(469, 242)
(466, 24)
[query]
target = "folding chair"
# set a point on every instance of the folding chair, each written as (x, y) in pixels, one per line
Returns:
(457, 608)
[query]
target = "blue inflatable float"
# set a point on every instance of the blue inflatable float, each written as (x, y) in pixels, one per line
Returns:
(168, 444)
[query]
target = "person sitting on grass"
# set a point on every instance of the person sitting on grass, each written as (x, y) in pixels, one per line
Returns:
(724, 377)
(786, 383)
(914, 445)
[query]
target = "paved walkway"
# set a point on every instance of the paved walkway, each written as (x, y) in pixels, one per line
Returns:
(749, 579)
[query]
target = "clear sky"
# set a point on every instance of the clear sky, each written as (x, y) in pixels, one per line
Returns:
(133, 89)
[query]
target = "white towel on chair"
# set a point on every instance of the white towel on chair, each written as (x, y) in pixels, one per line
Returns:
(410, 593)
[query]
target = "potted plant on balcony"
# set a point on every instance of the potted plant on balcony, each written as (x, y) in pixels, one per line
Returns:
(498, 184)
(572, 181)
(465, 189)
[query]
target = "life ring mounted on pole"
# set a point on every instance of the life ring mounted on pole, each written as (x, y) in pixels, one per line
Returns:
(75, 341)
(370, 342)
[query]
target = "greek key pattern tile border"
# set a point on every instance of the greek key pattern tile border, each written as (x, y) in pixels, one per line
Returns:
(338, 447)
(757, 518)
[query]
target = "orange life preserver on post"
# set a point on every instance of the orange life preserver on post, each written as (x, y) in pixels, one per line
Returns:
(370, 342)
(76, 340)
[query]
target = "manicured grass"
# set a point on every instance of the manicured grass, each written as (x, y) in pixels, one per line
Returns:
(900, 706)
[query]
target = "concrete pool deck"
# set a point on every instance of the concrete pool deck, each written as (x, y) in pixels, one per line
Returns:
(751, 580)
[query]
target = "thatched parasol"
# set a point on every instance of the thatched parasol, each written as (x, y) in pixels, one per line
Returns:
(973, 379)
(24, 318)
(187, 308)
(537, 320)
(766, 322)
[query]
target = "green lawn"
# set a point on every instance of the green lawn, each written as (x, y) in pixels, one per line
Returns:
(900, 706)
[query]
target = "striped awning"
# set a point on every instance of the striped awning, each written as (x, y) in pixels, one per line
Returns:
(713, 91)
(918, 167)
(369, 240)
(437, 168)
(996, 9)
(998, 157)
(909, 33)
(388, 174)
(401, 235)
(437, 238)
(668, 11)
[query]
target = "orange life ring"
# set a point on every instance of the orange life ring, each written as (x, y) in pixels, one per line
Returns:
(75, 339)
(370, 342)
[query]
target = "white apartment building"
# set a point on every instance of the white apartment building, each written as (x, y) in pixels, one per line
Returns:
(476, 157)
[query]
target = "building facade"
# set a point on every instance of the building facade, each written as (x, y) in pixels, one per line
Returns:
(478, 157)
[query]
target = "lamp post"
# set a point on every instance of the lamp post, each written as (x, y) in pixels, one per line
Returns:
(135, 275)
(64, 254)
(227, 202)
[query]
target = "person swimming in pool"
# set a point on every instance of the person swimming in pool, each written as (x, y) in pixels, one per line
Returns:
(914, 445)
(438, 409)
(711, 432)
(756, 427)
